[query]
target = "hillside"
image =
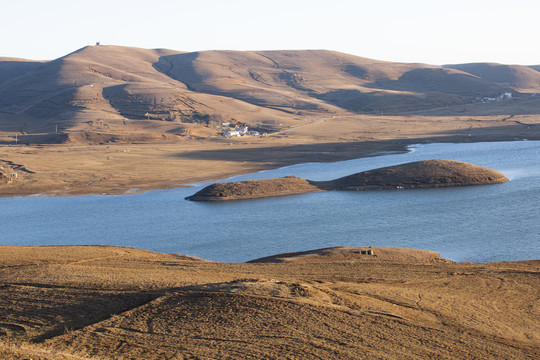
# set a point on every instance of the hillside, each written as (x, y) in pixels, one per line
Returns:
(121, 90)
(11, 68)
(101, 302)
(517, 77)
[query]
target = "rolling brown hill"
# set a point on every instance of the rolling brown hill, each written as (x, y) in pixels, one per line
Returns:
(13, 67)
(518, 77)
(117, 89)
(102, 302)
(97, 88)
(301, 79)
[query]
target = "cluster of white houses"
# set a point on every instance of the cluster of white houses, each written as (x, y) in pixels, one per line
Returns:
(240, 131)
(503, 96)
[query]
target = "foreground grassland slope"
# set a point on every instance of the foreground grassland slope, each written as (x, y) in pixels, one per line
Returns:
(335, 303)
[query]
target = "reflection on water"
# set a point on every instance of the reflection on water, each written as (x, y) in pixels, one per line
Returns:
(481, 223)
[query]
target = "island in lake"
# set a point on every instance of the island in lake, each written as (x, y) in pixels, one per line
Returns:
(414, 175)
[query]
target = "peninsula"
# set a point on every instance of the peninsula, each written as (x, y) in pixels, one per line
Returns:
(414, 175)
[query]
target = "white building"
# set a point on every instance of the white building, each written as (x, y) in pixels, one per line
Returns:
(232, 133)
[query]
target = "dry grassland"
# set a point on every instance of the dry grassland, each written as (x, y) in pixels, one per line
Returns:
(119, 168)
(116, 120)
(337, 303)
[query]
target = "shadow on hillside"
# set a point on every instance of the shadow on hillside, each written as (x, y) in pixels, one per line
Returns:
(13, 69)
(378, 102)
(520, 131)
(68, 310)
(440, 80)
(425, 88)
(284, 155)
(180, 67)
(429, 103)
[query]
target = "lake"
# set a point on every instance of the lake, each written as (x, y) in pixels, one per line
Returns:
(479, 223)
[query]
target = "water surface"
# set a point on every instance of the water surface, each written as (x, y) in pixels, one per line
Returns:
(479, 223)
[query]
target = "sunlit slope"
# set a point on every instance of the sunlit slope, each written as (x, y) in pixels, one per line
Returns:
(125, 86)
(106, 83)
(321, 80)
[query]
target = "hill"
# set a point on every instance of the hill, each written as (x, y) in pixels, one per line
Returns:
(418, 174)
(105, 89)
(121, 90)
(517, 77)
(414, 175)
(11, 68)
(99, 302)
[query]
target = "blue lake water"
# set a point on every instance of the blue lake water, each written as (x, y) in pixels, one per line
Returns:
(480, 223)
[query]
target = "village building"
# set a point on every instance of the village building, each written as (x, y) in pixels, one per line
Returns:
(240, 131)
(231, 133)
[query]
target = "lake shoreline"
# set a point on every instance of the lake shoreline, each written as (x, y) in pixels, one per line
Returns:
(245, 160)
(488, 215)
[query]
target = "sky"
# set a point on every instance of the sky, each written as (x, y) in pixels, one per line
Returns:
(414, 31)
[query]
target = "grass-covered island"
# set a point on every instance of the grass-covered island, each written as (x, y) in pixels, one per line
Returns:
(418, 174)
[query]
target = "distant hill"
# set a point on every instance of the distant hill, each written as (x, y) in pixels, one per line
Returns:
(11, 68)
(518, 77)
(322, 80)
(101, 86)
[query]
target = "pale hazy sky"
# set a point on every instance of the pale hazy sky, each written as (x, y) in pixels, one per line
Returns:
(427, 31)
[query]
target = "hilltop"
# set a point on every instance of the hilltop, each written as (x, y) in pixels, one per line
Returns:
(114, 93)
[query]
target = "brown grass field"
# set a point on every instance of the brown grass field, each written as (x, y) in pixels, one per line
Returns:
(119, 120)
(119, 168)
(337, 303)
(112, 119)
(118, 303)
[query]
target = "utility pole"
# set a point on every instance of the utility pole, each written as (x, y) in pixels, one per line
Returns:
(57, 129)
(16, 139)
